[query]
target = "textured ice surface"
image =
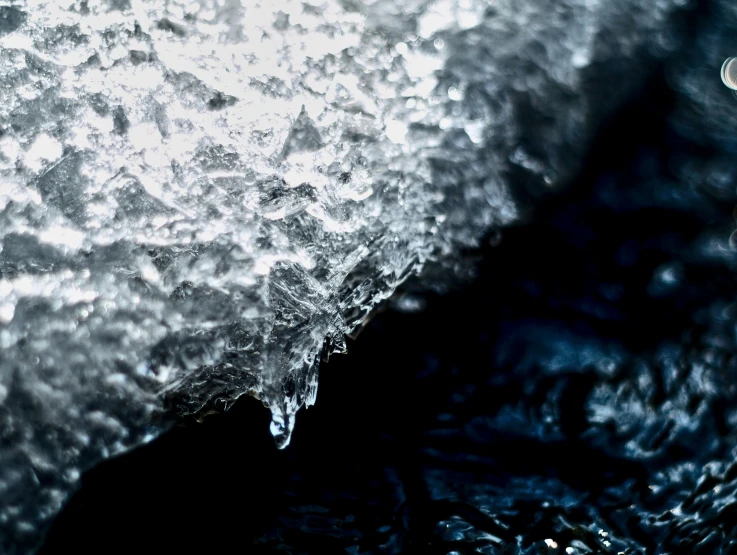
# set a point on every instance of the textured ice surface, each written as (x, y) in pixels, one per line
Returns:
(199, 198)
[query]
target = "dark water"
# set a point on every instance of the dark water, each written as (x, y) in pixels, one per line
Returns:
(578, 397)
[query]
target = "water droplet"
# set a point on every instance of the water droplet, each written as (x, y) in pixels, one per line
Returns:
(729, 73)
(454, 94)
(281, 429)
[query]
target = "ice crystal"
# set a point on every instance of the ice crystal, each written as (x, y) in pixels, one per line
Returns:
(199, 198)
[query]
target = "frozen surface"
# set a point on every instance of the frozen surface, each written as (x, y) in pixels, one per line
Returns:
(200, 198)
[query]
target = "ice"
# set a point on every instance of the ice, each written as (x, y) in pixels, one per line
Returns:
(200, 199)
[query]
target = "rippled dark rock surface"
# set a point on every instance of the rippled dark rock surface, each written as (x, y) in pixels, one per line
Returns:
(579, 397)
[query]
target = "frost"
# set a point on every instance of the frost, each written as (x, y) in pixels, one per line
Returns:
(199, 199)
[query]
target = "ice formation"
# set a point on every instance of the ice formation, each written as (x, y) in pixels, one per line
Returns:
(199, 198)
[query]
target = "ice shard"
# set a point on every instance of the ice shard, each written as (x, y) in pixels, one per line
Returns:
(199, 198)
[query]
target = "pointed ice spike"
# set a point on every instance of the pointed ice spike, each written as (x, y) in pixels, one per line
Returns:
(282, 425)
